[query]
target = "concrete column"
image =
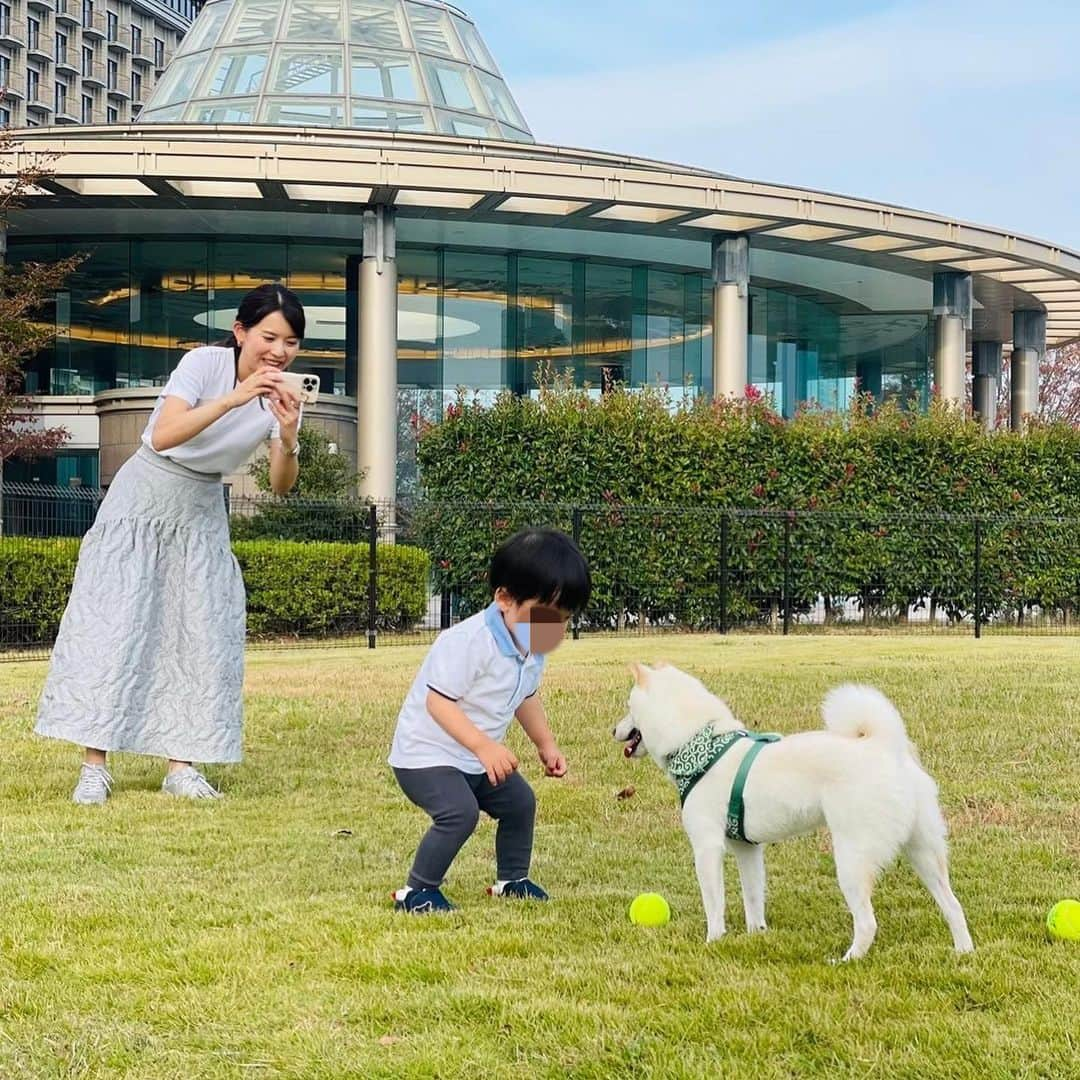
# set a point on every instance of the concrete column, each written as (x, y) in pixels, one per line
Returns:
(952, 320)
(1029, 344)
(731, 302)
(376, 436)
(986, 378)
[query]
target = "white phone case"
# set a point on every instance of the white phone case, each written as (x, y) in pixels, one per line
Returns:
(304, 383)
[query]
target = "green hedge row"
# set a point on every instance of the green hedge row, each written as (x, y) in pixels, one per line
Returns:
(293, 589)
(883, 502)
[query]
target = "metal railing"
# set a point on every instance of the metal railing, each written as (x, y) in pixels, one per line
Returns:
(655, 569)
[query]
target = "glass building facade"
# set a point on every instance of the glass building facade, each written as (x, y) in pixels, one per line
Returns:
(480, 320)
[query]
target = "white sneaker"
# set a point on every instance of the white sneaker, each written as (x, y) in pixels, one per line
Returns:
(93, 786)
(189, 783)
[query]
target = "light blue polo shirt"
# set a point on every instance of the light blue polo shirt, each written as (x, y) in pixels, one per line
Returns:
(478, 665)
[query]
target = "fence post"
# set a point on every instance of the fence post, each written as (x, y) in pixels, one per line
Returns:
(444, 610)
(575, 628)
(373, 573)
(725, 540)
(788, 519)
(978, 578)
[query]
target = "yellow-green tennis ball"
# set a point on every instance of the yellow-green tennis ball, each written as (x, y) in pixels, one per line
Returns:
(650, 909)
(1064, 920)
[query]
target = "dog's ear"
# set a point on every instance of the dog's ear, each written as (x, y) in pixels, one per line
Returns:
(640, 673)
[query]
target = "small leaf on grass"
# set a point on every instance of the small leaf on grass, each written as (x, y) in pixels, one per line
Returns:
(626, 793)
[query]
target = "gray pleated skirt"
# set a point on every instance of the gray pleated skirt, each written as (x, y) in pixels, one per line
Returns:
(150, 654)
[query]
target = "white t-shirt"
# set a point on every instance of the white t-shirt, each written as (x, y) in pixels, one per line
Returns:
(478, 665)
(202, 375)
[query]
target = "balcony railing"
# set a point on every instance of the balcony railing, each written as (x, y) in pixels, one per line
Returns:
(95, 27)
(120, 39)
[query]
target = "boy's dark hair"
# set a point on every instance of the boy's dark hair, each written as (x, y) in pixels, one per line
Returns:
(543, 565)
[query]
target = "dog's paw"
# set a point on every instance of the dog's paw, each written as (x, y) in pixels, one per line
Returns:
(713, 935)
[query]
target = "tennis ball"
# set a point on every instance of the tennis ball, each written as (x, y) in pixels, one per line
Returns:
(650, 909)
(1064, 920)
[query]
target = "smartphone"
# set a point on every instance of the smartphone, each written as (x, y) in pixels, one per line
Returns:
(305, 385)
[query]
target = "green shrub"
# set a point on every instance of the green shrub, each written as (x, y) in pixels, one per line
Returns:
(293, 589)
(880, 499)
(37, 577)
(321, 589)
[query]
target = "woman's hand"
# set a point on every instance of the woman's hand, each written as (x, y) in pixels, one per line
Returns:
(262, 383)
(285, 405)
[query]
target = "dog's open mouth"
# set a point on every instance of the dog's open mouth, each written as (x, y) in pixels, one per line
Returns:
(632, 743)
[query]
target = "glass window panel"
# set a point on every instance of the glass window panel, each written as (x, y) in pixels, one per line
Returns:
(303, 113)
(315, 20)
(161, 116)
(474, 45)
(178, 82)
(606, 334)
(234, 72)
(224, 112)
(420, 394)
(94, 321)
(208, 27)
(376, 23)
(474, 322)
(453, 85)
(432, 31)
(171, 279)
(419, 304)
(256, 20)
(514, 134)
(468, 126)
(665, 328)
(373, 115)
(545, 321)
(308, 71)
(376, 76)
(317, 276)
(502, 104)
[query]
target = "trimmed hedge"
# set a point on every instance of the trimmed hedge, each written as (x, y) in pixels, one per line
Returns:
(321, 589)
(293, 589)
(37, 577)
(880, 500)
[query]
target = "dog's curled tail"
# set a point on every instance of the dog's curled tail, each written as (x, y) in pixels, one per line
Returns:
(861, 712)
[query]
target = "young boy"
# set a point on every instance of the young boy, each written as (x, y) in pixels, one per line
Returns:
(448, 753)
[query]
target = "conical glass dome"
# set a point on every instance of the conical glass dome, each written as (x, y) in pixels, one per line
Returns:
(382, 65)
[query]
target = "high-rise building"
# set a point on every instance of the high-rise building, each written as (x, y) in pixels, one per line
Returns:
(85, 61)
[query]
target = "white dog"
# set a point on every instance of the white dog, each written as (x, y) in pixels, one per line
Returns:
(860, 777)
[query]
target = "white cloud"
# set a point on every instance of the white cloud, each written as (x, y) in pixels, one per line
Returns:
(908, 106)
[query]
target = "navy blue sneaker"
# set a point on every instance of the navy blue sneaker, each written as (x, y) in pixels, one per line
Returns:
(421, 901)
(522, 889)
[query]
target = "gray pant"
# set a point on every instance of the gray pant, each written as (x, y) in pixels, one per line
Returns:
(454, 799)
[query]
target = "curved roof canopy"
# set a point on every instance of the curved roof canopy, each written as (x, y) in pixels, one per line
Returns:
(382, 65)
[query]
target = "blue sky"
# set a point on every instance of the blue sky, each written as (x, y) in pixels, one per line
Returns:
(970, 109)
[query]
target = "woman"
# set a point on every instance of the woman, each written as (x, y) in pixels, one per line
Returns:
(150, 654)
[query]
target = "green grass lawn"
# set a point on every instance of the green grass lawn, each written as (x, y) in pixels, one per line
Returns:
(253, 937)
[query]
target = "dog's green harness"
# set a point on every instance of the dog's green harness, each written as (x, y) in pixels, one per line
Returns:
(694, 759)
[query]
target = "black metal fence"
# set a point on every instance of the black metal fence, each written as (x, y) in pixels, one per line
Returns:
(350, 572)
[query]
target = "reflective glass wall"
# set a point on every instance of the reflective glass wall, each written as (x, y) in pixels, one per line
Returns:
(480, 320)
(491, 321)
(808, 351)
(135, 306)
